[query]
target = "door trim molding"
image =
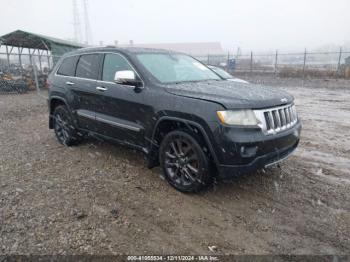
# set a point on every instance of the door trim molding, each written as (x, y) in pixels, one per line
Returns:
(101, 118)
(117, 124)
(86, 113)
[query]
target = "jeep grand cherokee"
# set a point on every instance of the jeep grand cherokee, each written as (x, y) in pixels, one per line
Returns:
(173, 108)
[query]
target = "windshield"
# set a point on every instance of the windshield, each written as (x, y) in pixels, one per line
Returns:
(222, 73)
(175, 68)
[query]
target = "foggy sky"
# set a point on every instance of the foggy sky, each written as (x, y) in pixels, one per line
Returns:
(249, 24)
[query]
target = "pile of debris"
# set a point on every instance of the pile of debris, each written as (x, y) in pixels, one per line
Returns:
(10, 84)
(14, 79)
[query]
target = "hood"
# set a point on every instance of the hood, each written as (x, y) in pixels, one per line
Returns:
(232, 95)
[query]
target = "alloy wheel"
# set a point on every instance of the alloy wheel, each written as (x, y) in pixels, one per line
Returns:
(182, 162)
(61, 128)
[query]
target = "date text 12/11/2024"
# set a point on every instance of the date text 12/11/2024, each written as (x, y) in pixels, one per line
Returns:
(173, 258)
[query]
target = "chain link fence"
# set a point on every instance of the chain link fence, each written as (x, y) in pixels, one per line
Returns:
(303, 64)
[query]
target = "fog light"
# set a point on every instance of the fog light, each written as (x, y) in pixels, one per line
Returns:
(249, 151)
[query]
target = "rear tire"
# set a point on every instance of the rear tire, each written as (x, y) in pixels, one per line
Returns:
(64, 128)
(185, 164)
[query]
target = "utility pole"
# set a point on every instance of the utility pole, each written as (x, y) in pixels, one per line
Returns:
(251, 62)
(304, 65)
(276, 62)
(88, 34)
(239, 52)
(339, 61)
(76, 22)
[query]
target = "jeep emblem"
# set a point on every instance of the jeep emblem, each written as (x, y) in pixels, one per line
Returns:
(284, 100)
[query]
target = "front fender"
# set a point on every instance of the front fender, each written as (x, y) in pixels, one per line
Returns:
(190, 122)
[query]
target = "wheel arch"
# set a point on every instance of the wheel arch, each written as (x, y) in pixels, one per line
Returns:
(177, 123)
(55, 101)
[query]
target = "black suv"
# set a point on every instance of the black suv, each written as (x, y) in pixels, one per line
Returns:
(173, 108)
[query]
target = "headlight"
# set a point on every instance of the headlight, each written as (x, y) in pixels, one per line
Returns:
(238, 117)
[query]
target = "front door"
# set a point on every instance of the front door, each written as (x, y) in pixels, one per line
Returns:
(121, 111)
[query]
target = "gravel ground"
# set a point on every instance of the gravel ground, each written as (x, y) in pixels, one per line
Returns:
(98, 198)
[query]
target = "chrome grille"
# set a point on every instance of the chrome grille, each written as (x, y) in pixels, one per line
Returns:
(277, 119)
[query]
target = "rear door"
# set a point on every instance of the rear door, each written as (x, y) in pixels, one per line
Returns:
(122, 109)
(64, 78)
(84, 88)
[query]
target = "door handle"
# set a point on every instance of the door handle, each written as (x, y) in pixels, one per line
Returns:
(70, 83)
(100, 88)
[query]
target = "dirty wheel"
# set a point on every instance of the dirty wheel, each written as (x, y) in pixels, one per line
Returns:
(65, 131)
(184, 163)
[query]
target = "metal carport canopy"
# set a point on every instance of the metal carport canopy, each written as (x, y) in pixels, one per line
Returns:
(29, 40)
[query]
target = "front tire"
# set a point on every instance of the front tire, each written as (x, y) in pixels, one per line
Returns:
(185, 164)
(64, 128)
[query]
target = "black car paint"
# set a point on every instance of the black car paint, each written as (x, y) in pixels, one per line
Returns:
(195, 104)
(232, 95)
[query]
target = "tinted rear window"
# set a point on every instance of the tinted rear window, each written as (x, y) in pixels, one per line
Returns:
(88, 66)
(67, 67)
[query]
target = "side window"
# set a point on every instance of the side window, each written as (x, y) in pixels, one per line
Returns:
(113, 63)
(88, 66)
(68, 65)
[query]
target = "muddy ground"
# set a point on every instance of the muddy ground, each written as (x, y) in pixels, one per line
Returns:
(98, 198)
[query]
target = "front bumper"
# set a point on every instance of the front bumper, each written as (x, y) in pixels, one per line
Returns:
(245, 151)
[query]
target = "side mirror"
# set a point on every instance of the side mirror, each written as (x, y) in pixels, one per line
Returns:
(127, 77)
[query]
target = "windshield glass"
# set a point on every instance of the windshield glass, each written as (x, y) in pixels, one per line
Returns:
(222, 73)
(175, 68)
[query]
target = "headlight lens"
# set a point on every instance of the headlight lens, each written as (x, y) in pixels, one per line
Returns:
(238, 117)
